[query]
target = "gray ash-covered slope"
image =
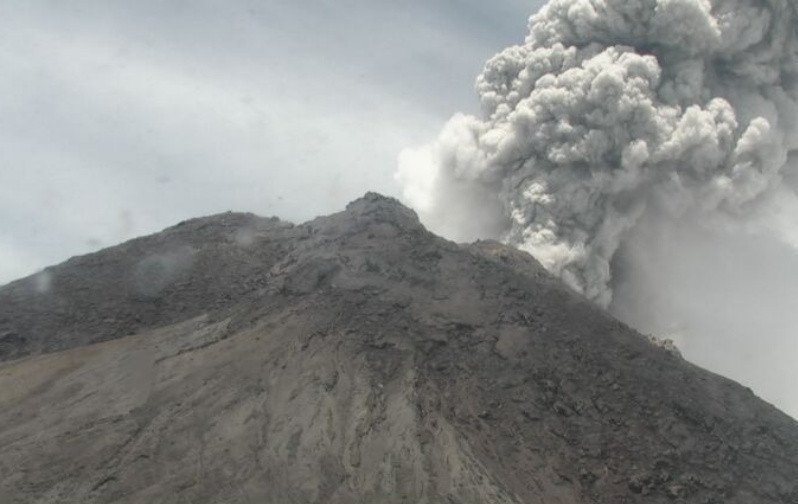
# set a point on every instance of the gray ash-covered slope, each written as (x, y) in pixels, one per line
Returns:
(356, 358)
(192, 268)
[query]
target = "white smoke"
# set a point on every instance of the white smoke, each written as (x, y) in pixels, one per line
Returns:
(613, 114)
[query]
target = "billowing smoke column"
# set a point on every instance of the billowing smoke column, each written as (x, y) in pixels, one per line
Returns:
(610, 111)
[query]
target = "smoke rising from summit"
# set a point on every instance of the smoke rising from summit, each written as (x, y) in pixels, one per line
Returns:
(646, 151)
(614, 114)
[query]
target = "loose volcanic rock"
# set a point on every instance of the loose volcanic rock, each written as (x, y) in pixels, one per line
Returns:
(356, 358)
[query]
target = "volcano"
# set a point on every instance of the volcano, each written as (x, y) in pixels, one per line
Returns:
(356, 358)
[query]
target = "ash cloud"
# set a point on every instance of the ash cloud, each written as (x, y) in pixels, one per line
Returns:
(615, 123)
(611, 110)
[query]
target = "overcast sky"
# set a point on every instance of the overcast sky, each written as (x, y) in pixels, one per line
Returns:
(120, 118)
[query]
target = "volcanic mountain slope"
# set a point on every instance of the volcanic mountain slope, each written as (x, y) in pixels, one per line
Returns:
(356, 358)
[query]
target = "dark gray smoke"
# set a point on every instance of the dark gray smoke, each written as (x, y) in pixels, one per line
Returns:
(614, 125)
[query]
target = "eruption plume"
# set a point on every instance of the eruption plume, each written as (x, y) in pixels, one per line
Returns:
(613, 115)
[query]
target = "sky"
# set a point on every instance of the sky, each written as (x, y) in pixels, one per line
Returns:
(121, 118)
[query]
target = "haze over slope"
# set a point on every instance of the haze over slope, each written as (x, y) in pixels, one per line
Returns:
(625, 134)
(356, 358)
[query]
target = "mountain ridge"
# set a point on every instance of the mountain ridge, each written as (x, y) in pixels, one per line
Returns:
(356, 358)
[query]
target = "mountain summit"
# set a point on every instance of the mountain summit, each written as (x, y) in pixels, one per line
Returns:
(356, 358)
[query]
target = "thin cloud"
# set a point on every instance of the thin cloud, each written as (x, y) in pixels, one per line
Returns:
(160, 112)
